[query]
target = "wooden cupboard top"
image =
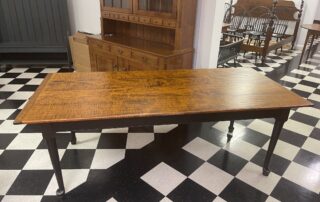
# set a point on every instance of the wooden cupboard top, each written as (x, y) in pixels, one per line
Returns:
(313, 27)
(155, 48)
(74, 97)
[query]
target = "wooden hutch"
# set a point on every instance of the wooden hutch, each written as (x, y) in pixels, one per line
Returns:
(144, 35)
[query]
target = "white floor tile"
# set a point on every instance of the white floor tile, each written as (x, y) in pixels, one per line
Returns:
(18, 70)
(311, 111)
(261, 127)
(316, 71)
(105, 158)
(24, 198)
(86, 141)
(20, 96)
(242, 148)
(5, 81)
(6, 113)
(35, 81)
(314, 97)
(1, 101)
(309, 66)
(164, 128)
(40, 160)
(7, 178)
(11, 88)
(298, 127)
(314, 60)
(303, 176)
(318, 124)
(27, 75)
(301, 72)
(283, 149)
(271, 199)
(312, 145)
(218, 199)
(312, 79)
(50, 70)
(8, 127)
(163, 178)
(116, 130)
(112, 200)
(25, 141)
(252, 175)
(139, 140)
(211, 178)
(72, 179)
(165, 199)
(291, 79)
(304, 88)
(201, 148)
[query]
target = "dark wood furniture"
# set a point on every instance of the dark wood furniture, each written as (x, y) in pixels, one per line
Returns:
(313, 31)
(34, 32)
(144, 35)
(79, 101)
(268, 18)
(230, 47)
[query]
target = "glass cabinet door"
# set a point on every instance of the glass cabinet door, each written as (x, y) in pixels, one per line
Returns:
(118, 5)
(164, 8)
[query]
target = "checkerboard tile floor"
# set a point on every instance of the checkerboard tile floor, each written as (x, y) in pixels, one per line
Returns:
(163, 163)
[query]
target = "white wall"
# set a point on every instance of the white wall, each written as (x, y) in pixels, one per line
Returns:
(84, 16)
(208, 31)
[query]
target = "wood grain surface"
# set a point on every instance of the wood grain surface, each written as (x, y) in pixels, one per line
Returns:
(312, 27)
(72, 97)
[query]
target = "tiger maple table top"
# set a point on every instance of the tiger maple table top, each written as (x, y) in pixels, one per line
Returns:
(73, 97)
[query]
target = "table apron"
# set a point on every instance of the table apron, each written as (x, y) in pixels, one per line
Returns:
(163, 120)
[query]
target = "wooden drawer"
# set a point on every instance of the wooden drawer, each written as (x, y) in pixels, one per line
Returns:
(134, 18)
(100, 45)
(123, 17)
(169, 23)
(144, 19)
(114, 15)
(105, 14)
(144, 58)
(120, 51)
(156, 21)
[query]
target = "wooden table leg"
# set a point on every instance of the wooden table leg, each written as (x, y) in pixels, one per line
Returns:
(273, 141)
(73, 138)
(231, 126)
(54, 156)
(304, 47)
(311, 44)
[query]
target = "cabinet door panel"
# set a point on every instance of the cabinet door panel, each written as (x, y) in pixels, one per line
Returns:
(164, 8)
(102, 62)
(124, 6)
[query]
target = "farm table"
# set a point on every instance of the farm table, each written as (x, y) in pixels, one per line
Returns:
(80, 101)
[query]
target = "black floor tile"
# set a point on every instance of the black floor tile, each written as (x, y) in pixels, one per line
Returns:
(31, 182)
(238, 191)
(29, 88)
(228, 162)
(308, 159)
(301, 93)
(14, 159)
(63, 140)
(145, 129)
(11, 104)
(184, 162)
(35, 70)
(10, 75)
(19, 81)
(292, 138)
(278, 164)
(254, 137)
(41, 76)
(6, 139)
(309, 83)
(288, 191)
(5, 95)
(77, 159)
(315, 133)
(112, 141)
(309, 120)
(189, 191)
